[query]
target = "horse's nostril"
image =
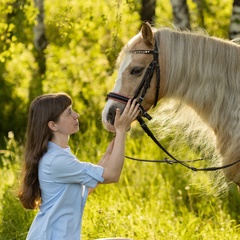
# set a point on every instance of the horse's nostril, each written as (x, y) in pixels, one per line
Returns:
(111, 114)
(110, 118)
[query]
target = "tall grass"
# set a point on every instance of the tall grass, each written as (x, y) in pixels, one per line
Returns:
(151, 201)
(14, 221)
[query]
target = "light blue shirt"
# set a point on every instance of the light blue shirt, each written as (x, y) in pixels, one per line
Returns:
(64, 183)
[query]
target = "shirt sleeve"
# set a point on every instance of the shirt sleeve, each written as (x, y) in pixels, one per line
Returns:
(66, 168)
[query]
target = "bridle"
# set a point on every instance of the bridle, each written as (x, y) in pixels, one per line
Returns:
(145, 83)
(139, 95)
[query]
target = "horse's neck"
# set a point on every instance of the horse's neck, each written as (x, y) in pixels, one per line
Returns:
(198, 74)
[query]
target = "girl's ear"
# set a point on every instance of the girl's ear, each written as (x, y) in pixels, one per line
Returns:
(52, 126)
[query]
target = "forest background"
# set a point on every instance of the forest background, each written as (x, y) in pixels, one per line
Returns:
(72, 46)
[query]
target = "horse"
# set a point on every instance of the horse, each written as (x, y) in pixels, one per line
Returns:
(198, 70)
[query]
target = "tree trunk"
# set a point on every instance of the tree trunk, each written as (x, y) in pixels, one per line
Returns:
(148, 11)
(40, 43)
(201, 5)
(234, 30)
(181, 14)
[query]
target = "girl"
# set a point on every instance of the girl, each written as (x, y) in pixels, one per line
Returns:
(54, 180)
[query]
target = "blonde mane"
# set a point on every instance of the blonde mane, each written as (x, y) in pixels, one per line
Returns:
(203, 73)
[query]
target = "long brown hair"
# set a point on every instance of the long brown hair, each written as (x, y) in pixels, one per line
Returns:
(45, 108)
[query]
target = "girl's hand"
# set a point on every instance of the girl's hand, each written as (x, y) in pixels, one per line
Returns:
(124, 120)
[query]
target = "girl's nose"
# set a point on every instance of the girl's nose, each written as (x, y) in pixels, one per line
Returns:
(76, 115)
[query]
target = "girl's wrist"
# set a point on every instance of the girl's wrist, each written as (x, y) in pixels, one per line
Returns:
(121, 131)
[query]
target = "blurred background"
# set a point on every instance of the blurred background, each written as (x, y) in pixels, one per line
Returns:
(72, 46)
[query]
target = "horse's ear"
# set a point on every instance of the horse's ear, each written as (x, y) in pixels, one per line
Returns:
(147, 34)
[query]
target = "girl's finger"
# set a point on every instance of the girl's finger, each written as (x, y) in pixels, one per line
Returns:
(118, 112)
(128, 104)
(127, 108)
(133, 105)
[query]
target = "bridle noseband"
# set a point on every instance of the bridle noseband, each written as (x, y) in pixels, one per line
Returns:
(145, 83)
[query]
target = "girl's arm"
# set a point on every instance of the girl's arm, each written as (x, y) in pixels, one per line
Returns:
(113, 159)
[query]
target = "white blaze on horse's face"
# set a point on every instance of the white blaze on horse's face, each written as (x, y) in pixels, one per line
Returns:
(111, 103)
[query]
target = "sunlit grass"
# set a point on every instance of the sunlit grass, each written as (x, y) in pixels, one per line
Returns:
(151, 201)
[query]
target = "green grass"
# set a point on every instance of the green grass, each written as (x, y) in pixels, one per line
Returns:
(151, 201)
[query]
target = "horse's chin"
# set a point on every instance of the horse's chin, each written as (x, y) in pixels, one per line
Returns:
(111, 128)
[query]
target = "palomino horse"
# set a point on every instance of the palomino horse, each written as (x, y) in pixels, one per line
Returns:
(201, 71)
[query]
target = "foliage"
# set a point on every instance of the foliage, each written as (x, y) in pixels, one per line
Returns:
(14, 219)
(151, 201)
(84, 41)
(16, 64)
(208, 16)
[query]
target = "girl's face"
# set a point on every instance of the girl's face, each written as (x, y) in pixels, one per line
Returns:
(68, 122)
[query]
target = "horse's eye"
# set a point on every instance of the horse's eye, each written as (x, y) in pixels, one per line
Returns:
(137, 71)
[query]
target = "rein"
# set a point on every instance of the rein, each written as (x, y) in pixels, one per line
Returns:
(142, 90)
(174, 160)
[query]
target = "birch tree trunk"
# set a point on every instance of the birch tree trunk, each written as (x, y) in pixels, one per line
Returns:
(201, 4)
(234, 30)
(40, 43)
(148, 11)
(181, 14)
